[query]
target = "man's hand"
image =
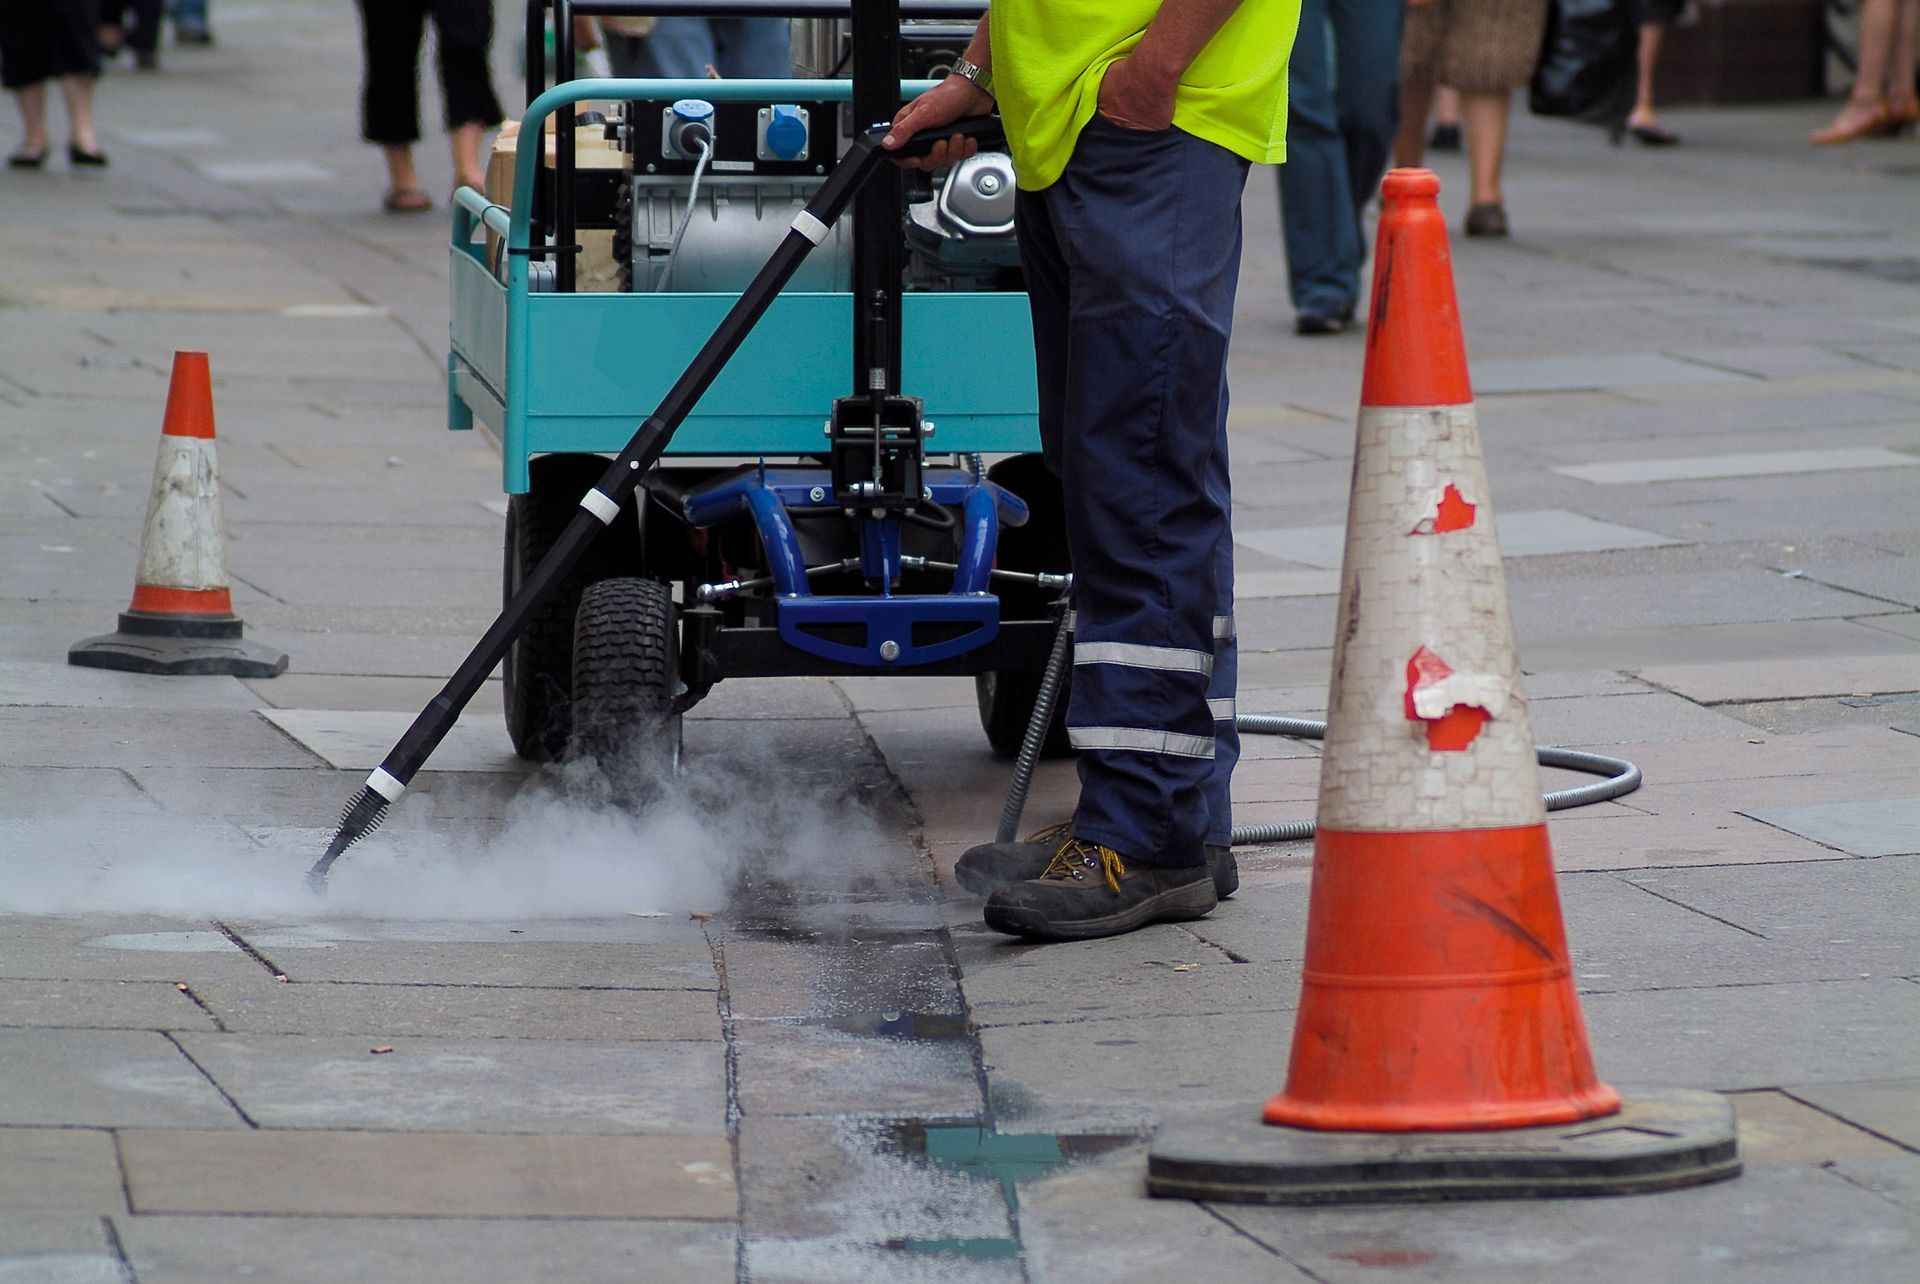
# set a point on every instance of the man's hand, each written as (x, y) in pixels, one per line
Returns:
(1136, 95)
(954, 98)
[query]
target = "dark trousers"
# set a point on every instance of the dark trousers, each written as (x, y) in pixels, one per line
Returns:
(390, 97)
(42, 39)
(144, 37)
(1343, 106)
(1131, 260)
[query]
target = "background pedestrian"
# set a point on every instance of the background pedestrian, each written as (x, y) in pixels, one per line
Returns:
(1485, 49)
(390, 94)
(694, 48)
(1642, 122)
(1343, 104)
(42, 40)
(1883, 101)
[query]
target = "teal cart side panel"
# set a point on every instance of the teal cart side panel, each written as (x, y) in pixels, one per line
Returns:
(598, 364)
(479, 321)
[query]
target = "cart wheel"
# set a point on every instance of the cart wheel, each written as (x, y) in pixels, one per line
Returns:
(538, 670)
(625, 677)
(1006, 707)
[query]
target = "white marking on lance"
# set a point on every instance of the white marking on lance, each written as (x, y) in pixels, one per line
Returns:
(385, 784)
(810, 227)
(1447, 594)
(600, 506)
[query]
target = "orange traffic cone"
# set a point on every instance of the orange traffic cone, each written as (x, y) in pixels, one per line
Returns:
(181, 619)
(1436, 991)
(1436, 998)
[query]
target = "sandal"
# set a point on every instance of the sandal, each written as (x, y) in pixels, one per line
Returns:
(406, 200)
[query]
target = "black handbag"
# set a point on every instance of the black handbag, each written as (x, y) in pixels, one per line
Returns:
(1586, 66)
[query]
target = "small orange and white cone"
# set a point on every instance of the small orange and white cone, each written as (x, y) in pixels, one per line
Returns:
(1439, 1050)
(181, 619)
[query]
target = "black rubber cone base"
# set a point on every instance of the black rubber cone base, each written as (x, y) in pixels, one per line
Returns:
(1658, 1141)
(178, 645)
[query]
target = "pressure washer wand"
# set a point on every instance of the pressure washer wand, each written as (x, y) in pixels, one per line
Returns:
(601, 505)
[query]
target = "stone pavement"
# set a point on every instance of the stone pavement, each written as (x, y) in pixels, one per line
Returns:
(755, 1033)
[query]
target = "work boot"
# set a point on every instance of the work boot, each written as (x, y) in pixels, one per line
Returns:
(985, 869)
(1089, 890)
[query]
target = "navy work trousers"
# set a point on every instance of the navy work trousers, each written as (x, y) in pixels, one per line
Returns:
(1131, 258)
(1343, 106)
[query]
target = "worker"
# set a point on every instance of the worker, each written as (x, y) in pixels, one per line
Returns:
(1132, 124)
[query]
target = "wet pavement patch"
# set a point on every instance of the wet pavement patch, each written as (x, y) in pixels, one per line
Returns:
(985, 1154)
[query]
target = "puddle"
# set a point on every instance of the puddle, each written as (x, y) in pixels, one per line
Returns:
(984, 1154)
(932, 1027)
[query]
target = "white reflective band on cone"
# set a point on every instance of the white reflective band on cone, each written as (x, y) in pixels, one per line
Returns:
(1141, 739)
(600, 506)
(1170, 659)
(383, 782)
(810, 227)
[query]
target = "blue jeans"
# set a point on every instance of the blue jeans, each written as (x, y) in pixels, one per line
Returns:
(1131, 259)
(683, 49)
(1343, 106)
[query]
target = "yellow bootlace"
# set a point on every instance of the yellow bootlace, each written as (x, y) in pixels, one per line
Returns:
(1076, 854)
(1058, 830)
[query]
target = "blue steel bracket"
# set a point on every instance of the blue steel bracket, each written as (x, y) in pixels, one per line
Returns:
(890, 622)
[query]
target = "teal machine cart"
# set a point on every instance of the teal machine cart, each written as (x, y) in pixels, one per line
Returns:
(790, 528)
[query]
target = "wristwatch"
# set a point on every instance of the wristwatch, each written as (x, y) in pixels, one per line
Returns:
(973, 71)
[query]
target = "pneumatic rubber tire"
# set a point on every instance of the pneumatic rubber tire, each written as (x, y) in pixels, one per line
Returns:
(626, 677)
(538, 667)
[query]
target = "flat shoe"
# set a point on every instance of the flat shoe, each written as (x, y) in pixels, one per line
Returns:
(1487, 220)
(1322, 323)
(86, 159)
(1653, 135)
(27, 160)
(406, 200)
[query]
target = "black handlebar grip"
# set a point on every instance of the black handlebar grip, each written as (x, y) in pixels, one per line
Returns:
(985, 130)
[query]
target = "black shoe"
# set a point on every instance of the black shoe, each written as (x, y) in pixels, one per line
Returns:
(27, 160)
(985, 869)
(192, 33)
(1486, 220)
(1322, 322)
(1445, 138)
(85, 159)
(1090, 891)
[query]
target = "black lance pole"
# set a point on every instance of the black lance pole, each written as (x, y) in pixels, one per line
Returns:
(599, 506)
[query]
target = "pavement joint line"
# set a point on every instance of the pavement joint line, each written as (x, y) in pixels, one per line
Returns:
(1727, 922)
(1791, 1095)
(1194, 932)
(502, 985)
(1737, 864)
(1833, 1167)
(118, 1250)
(1255, 1240)
(730, 1062)
(220, 1027)
(216, 1085)
(247, 947)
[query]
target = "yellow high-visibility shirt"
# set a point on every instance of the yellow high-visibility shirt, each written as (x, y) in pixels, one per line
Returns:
(1049, 57)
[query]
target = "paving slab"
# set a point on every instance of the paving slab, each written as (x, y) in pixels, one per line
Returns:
(1730, 1230)
(1838, 675)
(792, 1069)
(1588, 373)
(1541, 533)
(59, 1248)
(66, 737)
(542, 964)
(456, 1012)
(1627, 719)
(62, 793)
(56, 1170)
(1878, 827)
(105, 1079)
(357, 740)
(466, 1085)
(1616, 472)
(299, 1250)
(1615, 836)
(118, 949)
(101, 1005)
(1704, 1038)
(376, 1174)
(1092, 1225)
(1889, 1108)
(1777, 1129)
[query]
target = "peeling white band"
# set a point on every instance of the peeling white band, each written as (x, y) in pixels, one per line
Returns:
(1223, 627)
(1142, 740)
(600, 506)
(1480, 690)
(810, 227)
(1223, 710)
(1169, 659)
(383, 782)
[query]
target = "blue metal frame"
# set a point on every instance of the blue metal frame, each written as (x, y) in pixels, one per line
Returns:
(574, 373)
(768, 495)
